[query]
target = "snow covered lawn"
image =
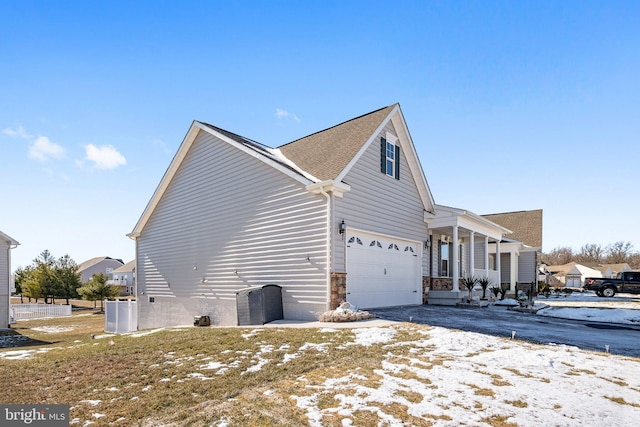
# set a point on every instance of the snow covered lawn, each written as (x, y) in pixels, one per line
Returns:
(404, 374)
(454, 378)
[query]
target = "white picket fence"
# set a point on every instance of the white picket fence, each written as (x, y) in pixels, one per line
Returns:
(38, 311)
(120, 317)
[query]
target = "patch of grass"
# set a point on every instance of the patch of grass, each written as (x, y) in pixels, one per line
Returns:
(517, 403)
(411, 396)
(480, 391)
(615, 381)
(165, 376)
(518, 373)
(498, 421)
(498, 381)
(579, 372)
(443, 417)
(621, 401)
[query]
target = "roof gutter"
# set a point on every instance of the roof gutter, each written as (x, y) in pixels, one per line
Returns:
(330, 186)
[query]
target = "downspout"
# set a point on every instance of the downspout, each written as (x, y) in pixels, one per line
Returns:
(328, 272)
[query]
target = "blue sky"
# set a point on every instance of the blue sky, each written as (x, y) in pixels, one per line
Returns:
(512, 105)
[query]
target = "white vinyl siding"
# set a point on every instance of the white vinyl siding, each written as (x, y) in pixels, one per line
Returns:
(379, 203)
(527, 269)
(228, 221)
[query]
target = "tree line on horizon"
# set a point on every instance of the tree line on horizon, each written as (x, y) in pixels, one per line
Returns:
(593, 253)
(49, 278)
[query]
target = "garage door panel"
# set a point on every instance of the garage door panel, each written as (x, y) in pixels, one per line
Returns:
(382, 271)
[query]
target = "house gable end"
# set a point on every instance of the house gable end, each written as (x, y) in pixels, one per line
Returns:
(405, 150)
(252, 148)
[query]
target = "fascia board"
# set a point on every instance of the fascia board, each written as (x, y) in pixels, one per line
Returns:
(9, 239)
(395, 115)
(406, 142)
(365, 146)
(187, 142)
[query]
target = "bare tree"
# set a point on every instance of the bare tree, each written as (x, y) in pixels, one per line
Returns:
(591, 252)
(619, 252)
(634, 261)
(558, 256)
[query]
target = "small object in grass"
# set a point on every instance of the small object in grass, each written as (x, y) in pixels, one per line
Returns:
(111, 342)
(93, 336)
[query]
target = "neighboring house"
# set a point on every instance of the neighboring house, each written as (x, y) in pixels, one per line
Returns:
(124, 277)
(612, 270)
(343, 214)
(103, 264)
(6, 279)
(521, 251)
(572, 275)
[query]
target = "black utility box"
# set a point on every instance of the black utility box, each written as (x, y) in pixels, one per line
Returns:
(201, 321)
(258, 305)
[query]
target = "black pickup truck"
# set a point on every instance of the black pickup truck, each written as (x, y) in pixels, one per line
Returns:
(627, 282)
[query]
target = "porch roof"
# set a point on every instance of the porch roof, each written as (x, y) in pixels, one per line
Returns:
(447, 216)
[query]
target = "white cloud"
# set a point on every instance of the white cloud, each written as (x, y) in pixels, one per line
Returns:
(105, 156)
(284, 114)
(43, 149)
(19, 132)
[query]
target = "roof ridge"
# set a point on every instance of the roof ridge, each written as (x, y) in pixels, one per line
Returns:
(339, 124)
(237, 137)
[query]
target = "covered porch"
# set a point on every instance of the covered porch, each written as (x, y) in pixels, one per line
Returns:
(461, 244)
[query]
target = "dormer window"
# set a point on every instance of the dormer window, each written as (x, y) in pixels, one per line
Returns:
(390, 156)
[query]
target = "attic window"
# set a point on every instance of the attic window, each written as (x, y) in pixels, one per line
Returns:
(390, 156)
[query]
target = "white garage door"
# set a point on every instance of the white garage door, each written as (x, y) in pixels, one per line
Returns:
(573, 282)
(382, 271)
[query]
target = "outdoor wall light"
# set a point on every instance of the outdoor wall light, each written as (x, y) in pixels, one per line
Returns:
(342, 227)
(427, 244)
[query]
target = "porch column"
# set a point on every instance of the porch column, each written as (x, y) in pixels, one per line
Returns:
(486, 256)
(498, 262)
(456, 271)
(514, 270)
(472, 238)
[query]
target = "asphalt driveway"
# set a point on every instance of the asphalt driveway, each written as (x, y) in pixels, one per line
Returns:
(498, 321)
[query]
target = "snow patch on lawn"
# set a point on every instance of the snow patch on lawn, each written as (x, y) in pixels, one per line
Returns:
(476, 378)
(145, 333)
(369, 336)
(24, 354)
(54, 329)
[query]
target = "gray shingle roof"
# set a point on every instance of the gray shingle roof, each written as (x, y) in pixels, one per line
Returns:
(326, 153)
(93, 261)
(525, 225)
